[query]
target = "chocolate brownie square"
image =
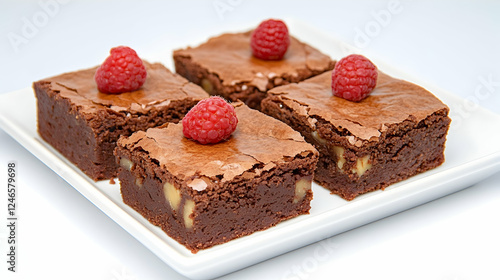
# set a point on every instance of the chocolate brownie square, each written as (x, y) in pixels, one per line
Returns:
(84, 124)
(225, 66)
(396, 132)
(204, 195)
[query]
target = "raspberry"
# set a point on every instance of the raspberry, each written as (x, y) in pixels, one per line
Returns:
(210, 121)
(354, 77)
(270, 40)
(122, 71)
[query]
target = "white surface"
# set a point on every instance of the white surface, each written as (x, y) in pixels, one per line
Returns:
(451, 44)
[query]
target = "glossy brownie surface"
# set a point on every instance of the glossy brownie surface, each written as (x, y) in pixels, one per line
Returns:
(258, 141)
(391, 102)
(161, 87)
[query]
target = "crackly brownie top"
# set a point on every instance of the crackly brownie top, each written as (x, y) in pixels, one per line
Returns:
(161, 87)
(391, 102)
(229, 56)
(259, 143)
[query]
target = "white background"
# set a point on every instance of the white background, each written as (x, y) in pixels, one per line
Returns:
(452, 44)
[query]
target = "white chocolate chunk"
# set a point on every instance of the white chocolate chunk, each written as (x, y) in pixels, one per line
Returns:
(362, 165)
(301, 188)
(318, 138)
(188, 210)
(139, 181)
(172, 195)
(351, 140)
(126, 163)
(339, 151)
(207, 85)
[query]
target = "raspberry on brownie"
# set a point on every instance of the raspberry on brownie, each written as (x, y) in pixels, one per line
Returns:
(270, 40)
(212, 120)
(122, 71)
(398, 131)
(83, 124)
(354, 77)
(204, 195)
(225, 65)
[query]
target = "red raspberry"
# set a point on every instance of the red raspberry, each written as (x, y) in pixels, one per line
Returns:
(354, 77)
(122, 71)
(270, 40)
(210, 121)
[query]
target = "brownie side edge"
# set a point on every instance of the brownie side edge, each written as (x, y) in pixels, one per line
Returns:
(61, 125)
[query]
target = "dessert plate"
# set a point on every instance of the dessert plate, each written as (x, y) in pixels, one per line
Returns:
(472, 153)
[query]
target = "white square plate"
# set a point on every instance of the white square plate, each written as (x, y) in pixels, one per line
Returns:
(472, 153)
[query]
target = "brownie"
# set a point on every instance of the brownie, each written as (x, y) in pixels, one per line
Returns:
(84, 124)
(204, 195)
(395, 133)
(225, 66)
